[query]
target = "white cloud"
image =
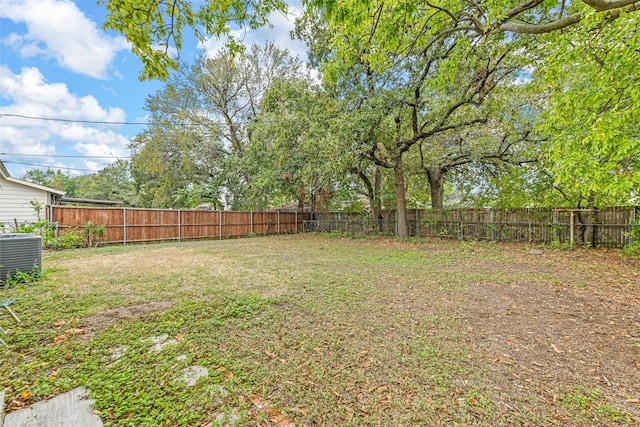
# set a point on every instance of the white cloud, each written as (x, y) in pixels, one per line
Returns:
(278, 31)
(28, 94)
(58, 29)
(32, 95)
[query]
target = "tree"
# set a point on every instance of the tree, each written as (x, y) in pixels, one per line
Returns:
(199, 131)
(278, 156)
(113, 182)
(589, 27)
(50, 178)
(436, 105)
(591, 119)
(180, 147)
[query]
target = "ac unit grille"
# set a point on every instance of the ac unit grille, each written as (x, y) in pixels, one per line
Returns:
(19, 252)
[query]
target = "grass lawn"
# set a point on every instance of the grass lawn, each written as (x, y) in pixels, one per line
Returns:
(324, 330)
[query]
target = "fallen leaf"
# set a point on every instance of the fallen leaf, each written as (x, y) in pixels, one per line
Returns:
(258, 402)
(59, 323)
(25, 394)
(59, 339)
(75, 331)
(279, 420)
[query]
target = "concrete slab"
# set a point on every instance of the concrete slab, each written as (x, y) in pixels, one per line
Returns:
(70, 409)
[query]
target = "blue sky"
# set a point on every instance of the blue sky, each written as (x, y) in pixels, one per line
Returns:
(57, 62)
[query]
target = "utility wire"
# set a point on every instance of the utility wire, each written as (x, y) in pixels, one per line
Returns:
(150, 123)
(52, 167)
(103, 122)
(53, 119)
(64, 155)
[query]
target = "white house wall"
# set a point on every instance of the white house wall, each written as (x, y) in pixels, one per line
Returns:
(15, 204)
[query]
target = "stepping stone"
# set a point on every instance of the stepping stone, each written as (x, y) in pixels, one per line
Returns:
(161, 341)
(191, 375)
(70, 409)
(118, 352)
(228, 419)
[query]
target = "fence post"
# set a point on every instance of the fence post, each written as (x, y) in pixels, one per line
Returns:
(278, 222)
(417, 224)
(396, 223)
(296, 217)
(220, 225)
(571, 242)
(554, 227)
(459, 219)
(251, 221)
(632, 223)
(530, 225)
(124, 226)
(492, 214)
(179, 234)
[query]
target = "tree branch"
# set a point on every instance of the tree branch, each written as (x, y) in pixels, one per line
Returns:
(612, 7)
(522, 28)
(604, 5)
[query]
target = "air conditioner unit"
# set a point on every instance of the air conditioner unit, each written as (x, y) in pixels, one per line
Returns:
(19, 252)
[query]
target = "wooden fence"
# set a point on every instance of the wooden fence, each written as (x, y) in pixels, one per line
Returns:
(133, 225)
(610, 227)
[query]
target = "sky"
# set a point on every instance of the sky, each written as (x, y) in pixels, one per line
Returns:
(62, 77)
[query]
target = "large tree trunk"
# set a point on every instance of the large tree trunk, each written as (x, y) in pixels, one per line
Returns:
(401, 200)
(588, 229)
(300, 195)
(436, 185)
(373, 194)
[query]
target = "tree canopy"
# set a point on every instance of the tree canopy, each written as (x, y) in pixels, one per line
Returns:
(155, 28)
(517, 103)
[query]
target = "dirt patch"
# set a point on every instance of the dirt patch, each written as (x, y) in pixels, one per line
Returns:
(108, 317)
(539, 338)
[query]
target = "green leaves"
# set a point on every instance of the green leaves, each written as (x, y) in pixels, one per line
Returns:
(592, 116)
(155, 28)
